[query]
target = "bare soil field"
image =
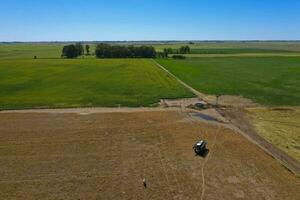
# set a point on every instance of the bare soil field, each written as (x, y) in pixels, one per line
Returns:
(107, 155)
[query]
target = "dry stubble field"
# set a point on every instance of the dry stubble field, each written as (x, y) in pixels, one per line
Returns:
(106, 156)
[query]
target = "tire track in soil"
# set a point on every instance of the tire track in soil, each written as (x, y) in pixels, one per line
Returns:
(135, 173)
(150, 153)
(148, 156)
(165, 171)
(144, 172)
(205, 162)
(156, 175)
(191, 187)
(187, 171)
(196, 187)
(193, 120)
(179, 186)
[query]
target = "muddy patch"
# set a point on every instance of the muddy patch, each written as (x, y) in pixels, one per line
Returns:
(205, 117)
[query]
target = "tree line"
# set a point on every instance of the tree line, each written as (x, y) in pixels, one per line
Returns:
(121, 51)
(181, 50)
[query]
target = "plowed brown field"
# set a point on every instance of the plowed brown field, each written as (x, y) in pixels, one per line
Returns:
(106, 156)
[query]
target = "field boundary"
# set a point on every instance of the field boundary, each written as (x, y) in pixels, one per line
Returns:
(196, 92)
(239, 121)
(90, 110)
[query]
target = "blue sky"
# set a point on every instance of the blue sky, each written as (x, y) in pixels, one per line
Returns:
(63, 20)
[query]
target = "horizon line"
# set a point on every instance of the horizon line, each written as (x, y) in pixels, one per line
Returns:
(97, 41)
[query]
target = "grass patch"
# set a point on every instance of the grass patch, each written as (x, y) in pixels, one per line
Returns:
(275, 45)
(21, 51)
(235, 51)
(280, 127)
(270, 81)
(48, 83)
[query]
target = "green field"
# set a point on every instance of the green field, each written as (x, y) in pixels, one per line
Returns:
(273, 81)
(257, 46)
(200, 50)
(249, 69)
(235, 51)
(53, 50)
(21, 51)
(44, 83)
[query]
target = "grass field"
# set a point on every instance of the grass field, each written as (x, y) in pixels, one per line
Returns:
(279, 126)
(28, 83)
(234, 68)
(270, 81)
(21, 51)
(235, 51)
(53, 50)
(266, 46)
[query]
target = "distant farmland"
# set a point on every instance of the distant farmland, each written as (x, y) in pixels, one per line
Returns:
(18, 51)
(28, 83)
(267, 80)
(267, 72)
(53, 50)
(265, 46)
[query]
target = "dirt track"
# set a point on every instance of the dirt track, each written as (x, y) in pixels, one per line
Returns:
(238, 118)
(234, 112)
(84, 155)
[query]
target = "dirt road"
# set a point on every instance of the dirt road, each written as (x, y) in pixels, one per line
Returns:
(233, 111)
(238, 118)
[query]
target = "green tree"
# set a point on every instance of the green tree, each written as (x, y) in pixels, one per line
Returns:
(79, 48)
(70, 51)
(87, 49)
(166, 53)
(184, 50)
